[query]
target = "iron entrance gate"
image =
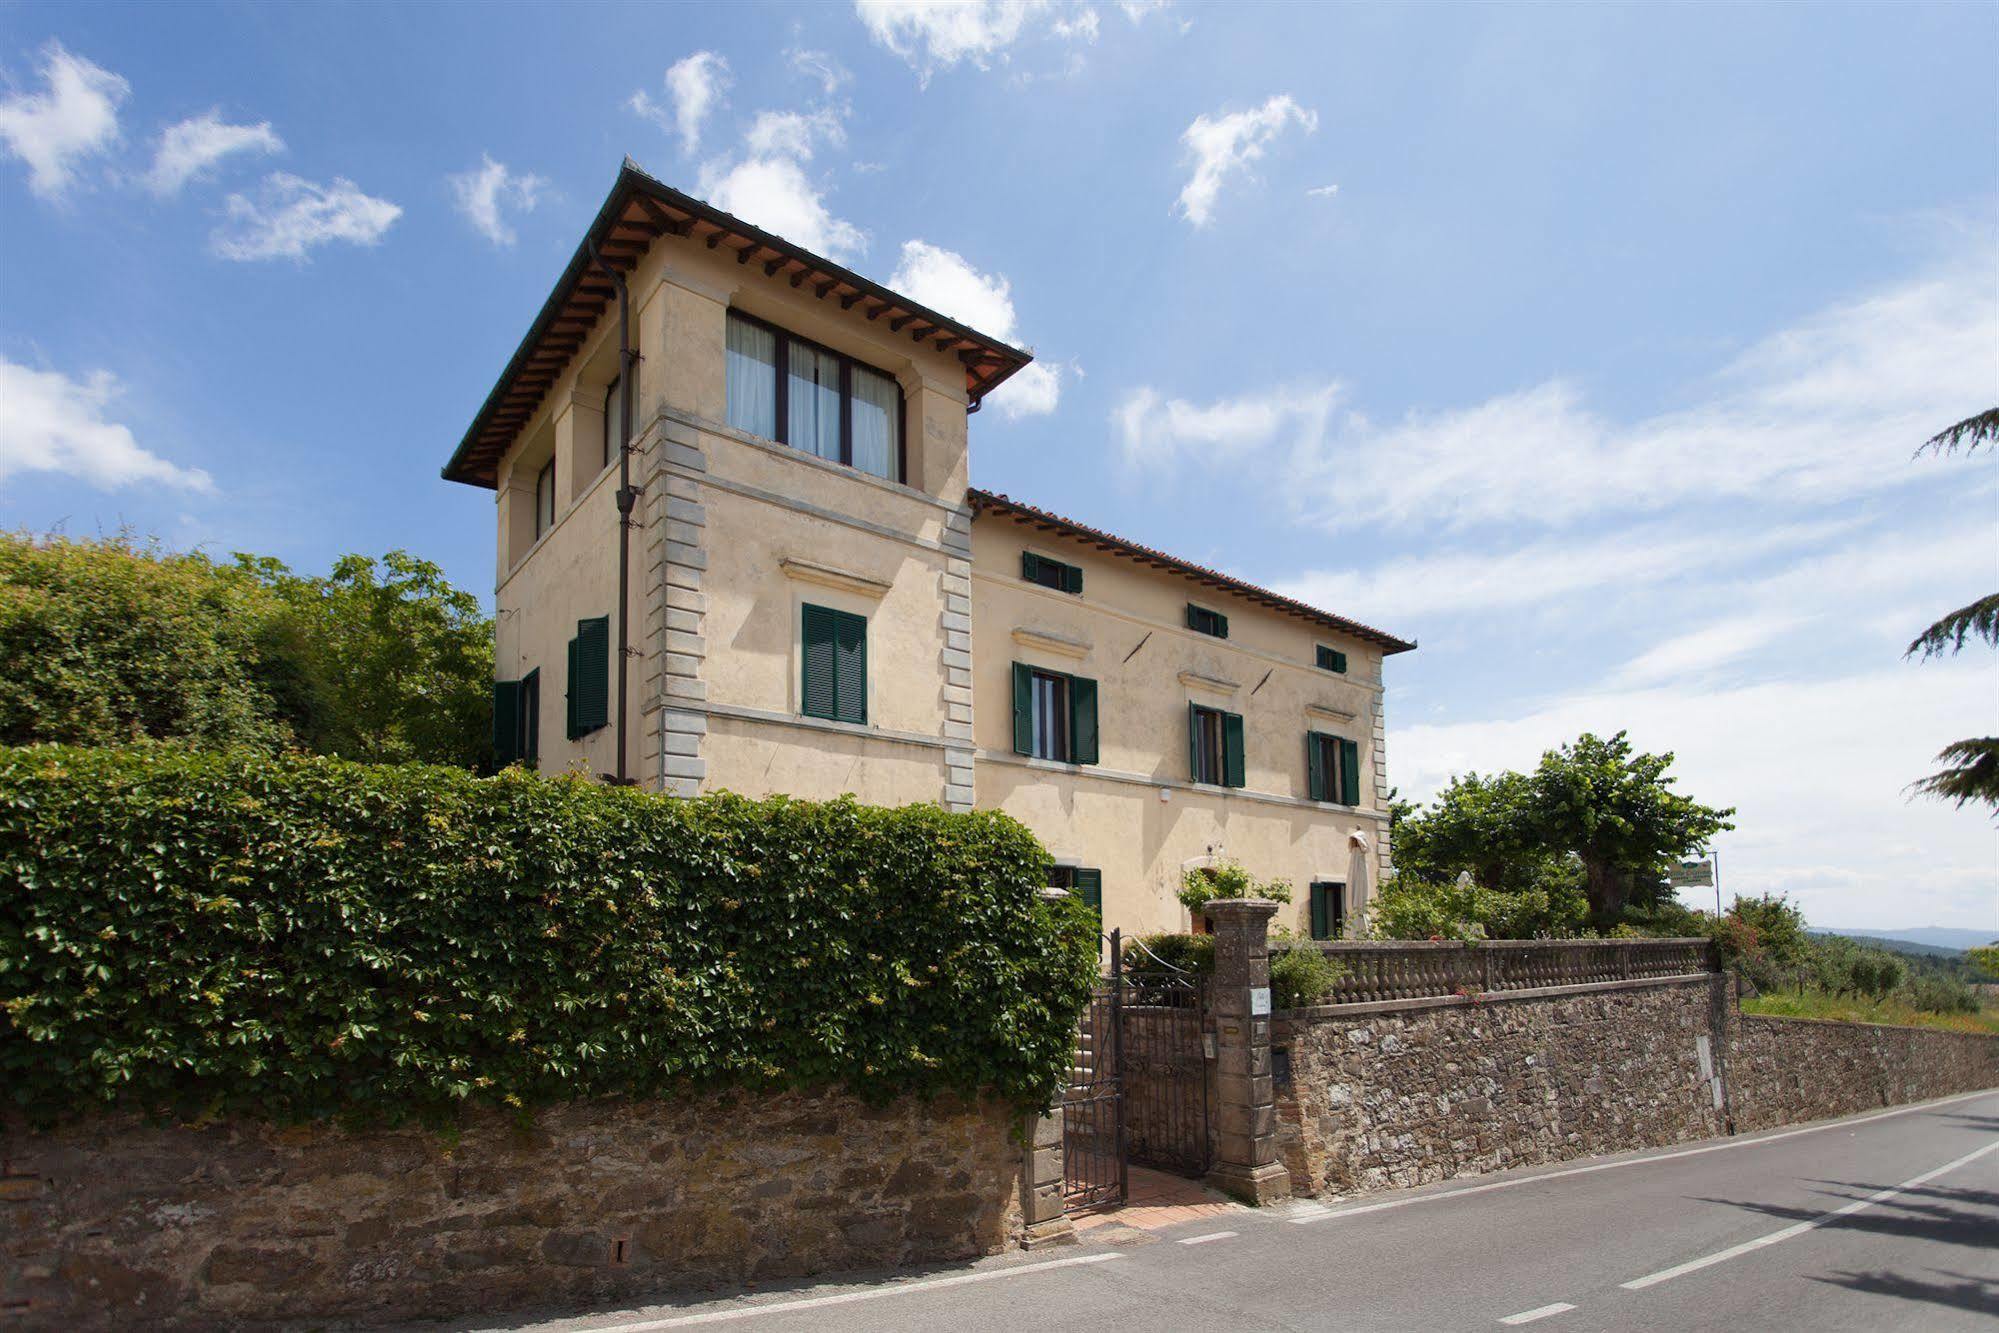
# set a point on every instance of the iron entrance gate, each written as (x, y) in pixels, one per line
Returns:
(1138, 1089)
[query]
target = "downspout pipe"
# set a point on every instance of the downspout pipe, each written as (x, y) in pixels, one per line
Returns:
(628, 495)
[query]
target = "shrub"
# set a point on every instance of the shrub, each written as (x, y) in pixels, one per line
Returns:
(293, 938)
(1940, 995)
(1228, 879)
(1300, 974)
(1414, 909)
(1189, 953)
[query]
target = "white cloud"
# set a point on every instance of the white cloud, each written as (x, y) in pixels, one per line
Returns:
(830, 73)
(484, 195)
(777, 195)
(1226, 145)
(1485, 580)
(76, 118)
(794, 133)
(288, 217)
(1156, 429)
(948, 283)
(695, 87)
(937, 34)
(52, 423)
(192, 146)
(1702, 650)
(1824, 410)
(1816, 767)
(1138, 10)
(1322, 191)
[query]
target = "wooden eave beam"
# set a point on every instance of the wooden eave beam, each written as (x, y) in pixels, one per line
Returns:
(895, 325)
(665, 221)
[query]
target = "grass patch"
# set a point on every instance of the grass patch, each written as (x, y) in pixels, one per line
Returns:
(1852, 1009)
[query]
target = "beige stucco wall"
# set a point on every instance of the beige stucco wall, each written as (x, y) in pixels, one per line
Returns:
(1135, 815)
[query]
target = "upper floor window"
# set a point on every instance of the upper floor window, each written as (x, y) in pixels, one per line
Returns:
(1050, 573)
(1203, 621)
(544, 498)
(834, 656)
(1054, 715)
(1332, 769)
(1331, 659)
(1214, 746)
(815, 400)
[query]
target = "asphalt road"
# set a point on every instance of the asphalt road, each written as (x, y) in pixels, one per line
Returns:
(1883, 1221)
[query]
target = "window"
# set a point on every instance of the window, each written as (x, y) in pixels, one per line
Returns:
(835, 654)
(798, 393)
(517, 719)
(614, 419)
(1332, 769)
(1054, 715)
(1332, 660)
(530, 733)
(1085, 884)
(544, 499)
(1214, 746)
(1203, 621)
(589, 695)
(1329, 910)
(1050, 573)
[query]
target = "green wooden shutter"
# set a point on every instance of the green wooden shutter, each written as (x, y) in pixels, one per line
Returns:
(850, 659)
(1072, 580)
(1090, 888)
(592, 685)
(1194, 621)
(1082, 720)
(1350, 772)
(1030, 566)
(1339, 661)
(1318, 911)
(1023, 709)
(530, 715)
(1232, 775)
(569, 697)
(818, 653)
(1194, 743)
(1221, 625)
(506, 721)
(1315, 767)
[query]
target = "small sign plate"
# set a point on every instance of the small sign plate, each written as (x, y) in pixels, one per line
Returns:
(1259, 1001)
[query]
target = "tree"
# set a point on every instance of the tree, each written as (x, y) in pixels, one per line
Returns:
(113, 641)
(1486, 826)
(1971, 766)
(396, 663)
(1615, 810)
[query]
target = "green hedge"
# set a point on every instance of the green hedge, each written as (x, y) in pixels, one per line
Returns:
(227, 934)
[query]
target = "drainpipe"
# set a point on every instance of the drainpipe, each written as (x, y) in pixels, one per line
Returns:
(628, 494)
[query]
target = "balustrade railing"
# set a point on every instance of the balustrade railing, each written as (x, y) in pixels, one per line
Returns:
(1381, 970)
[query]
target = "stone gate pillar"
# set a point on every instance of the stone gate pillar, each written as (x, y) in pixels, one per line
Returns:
(1246, 1162)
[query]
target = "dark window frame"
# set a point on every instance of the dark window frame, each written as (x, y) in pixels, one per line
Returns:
(1086, 882)
(835, 617)
(1061, 726)
(782, 367)
(1206, 620)
(1333, 660)
(1326, 922)
(1211, 744)
(1047, 572)
(544, 517)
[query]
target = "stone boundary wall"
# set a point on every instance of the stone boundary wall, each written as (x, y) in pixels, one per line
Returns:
(1786, 1070)
(117, 1222)
(1401, 1095)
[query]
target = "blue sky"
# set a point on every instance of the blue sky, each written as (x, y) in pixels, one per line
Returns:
(1587, 345)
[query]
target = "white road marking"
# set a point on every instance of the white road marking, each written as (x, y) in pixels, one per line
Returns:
(1301, 1215)
(1800, 1228)
(1529, 1316)
(1203, 1240)
(848, 1297)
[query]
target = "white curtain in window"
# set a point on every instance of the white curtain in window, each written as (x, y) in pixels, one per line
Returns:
(814, 394)
(877, 423)
(752, 355)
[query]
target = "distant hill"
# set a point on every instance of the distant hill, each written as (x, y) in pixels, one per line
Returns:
(1894, 946)
(1931, 939)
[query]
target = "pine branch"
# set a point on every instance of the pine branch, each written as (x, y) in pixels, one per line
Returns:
(1970, 432)
(1971, 773)
(1980, 619)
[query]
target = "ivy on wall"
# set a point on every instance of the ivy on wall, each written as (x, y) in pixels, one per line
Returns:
(230, 934)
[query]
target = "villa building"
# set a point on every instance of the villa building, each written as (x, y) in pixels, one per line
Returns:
(818, 601)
